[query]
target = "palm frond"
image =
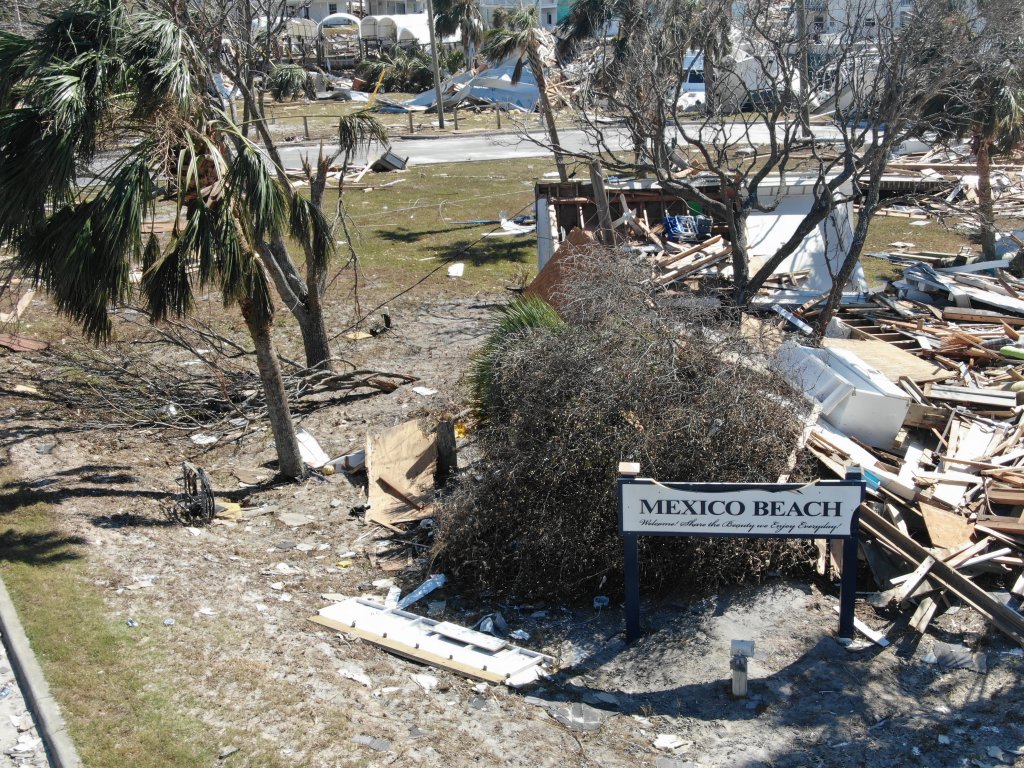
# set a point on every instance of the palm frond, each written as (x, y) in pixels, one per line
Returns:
(308, 224)
(14, 65)
(514, 38)
(167, 280)
(252, 183)
(165, 61)
(287, 81)
(37, 171)
(360, 129)
(519, 317)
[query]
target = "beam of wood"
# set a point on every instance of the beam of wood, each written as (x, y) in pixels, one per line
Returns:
(678, 274)
(1010, 496)
(604, 211)
(671, 259)
(923, 615)
(1003, 618)
(1012, 526)
(914, 581)
(984, 558)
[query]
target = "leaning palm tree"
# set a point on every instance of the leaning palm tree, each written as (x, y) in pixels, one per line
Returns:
(520, 37)
(462, 16)
(139, 81)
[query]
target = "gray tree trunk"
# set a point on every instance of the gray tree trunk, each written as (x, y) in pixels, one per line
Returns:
(288, 457)
(537, 67)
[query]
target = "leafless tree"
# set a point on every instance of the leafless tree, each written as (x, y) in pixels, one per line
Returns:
(875, 63)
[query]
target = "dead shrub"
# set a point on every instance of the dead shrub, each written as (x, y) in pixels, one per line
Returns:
(631, 376)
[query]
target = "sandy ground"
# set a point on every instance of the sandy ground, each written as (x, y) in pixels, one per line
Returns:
(245, 655)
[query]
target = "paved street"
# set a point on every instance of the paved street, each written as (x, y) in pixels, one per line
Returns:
(502, 146)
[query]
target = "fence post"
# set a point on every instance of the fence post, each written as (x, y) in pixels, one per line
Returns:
(455, 117)
(411, 128)
(305, 126)
(497, 112)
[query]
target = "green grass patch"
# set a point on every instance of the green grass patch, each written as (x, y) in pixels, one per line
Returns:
(409, 231)
(120, 711)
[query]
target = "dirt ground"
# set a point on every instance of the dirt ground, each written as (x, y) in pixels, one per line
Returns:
(245, 658)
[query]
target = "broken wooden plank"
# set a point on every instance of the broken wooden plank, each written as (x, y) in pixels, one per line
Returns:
(972, 395)
(22, 344)
(926, 417)
(914, 580)
(1005, 619)
(1013, 526)
(923, 615)
(1012, 497)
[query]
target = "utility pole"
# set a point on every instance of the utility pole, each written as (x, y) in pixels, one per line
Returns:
(17, 18)
(437, 67)
(805, 85)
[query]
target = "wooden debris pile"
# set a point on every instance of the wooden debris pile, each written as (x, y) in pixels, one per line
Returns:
(945, 185)
(947, 498)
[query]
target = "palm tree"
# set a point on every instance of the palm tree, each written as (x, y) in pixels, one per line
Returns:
(588, 19)
(519, 37)
(463, 16)
(997, 127)
(989, 110)
(138, 80)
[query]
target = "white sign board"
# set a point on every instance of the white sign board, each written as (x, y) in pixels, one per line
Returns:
(816, 510)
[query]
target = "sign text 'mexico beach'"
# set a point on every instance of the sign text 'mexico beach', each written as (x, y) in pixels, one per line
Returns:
(815, 510)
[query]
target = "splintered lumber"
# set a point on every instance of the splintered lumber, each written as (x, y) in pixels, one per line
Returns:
(671, 259)
(440, 644)
(688, 269)
(1003, 618)
(923, 615)
(873, 635)
(926, 417)
(915, 579)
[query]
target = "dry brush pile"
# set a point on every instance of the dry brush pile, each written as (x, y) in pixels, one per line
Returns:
(626, 374)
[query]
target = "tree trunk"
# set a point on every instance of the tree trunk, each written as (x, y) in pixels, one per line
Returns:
(315, 343)
(736, 218)
(710, 76)
(289, 459)
(537, 67)
(860, 235)
(986, 207)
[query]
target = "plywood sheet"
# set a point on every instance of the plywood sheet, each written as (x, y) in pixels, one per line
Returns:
(891, 360)
(945, 529)
(400, 464)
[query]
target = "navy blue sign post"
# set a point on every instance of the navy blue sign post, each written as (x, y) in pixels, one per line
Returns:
(823, 510)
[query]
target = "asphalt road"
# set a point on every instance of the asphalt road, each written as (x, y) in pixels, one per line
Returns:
(503, 146)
